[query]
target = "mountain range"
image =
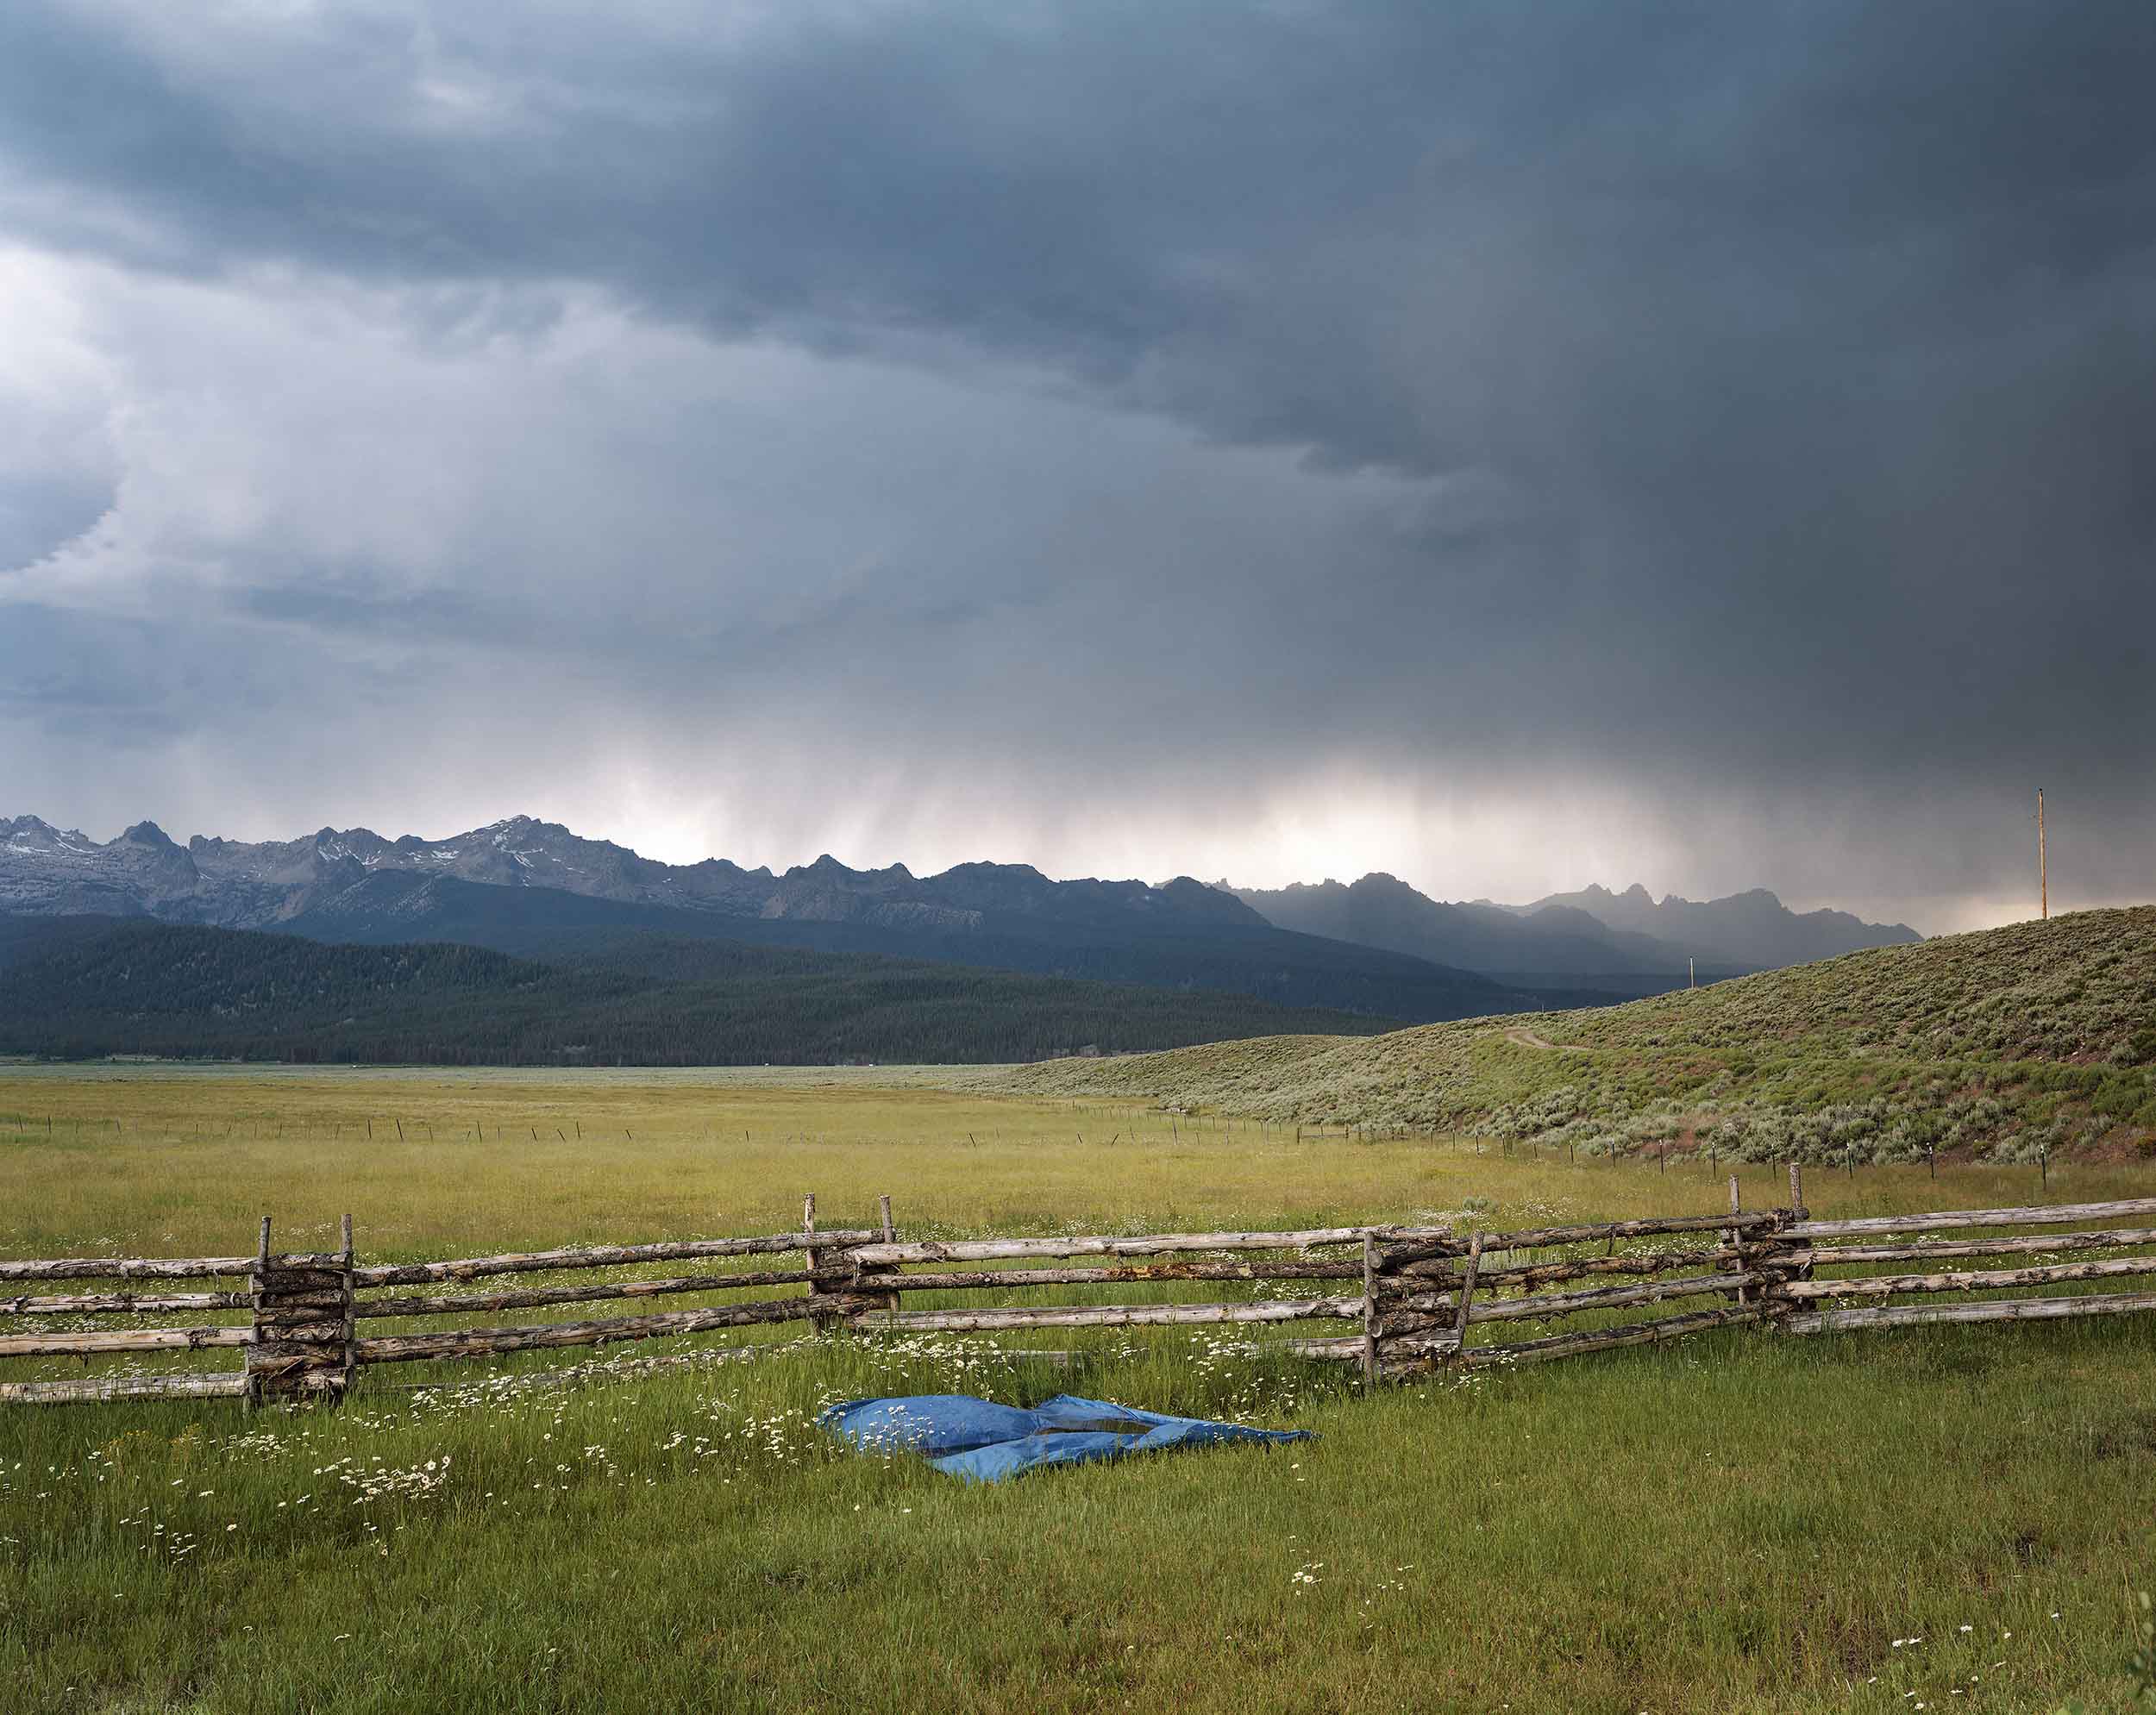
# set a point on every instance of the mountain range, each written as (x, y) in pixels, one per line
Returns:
(1752, 930)
(534, 889)
(324, 876)
(1591, 939)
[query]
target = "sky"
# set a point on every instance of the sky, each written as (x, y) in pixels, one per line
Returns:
(1510, 446)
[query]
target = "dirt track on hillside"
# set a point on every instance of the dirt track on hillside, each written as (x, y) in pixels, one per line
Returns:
(1527, 1038)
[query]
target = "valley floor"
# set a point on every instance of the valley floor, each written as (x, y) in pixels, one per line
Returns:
(1954, 1518)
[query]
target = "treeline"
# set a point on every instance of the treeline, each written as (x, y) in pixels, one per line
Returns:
(1173, 951)
(70, 990)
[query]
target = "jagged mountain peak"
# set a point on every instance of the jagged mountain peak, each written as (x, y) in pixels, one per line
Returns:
(1006, 872)
(728, 867)
(31, 834)
(829, 869)
(244, 884)
(1376, 881)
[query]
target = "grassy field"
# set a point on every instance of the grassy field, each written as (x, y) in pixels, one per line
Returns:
(1951, 1517)
(2005, 1045)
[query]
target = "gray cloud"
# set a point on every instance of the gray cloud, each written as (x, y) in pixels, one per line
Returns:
(1518, 441)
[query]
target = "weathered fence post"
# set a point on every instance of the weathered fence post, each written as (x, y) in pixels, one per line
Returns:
(1467, 1292)
(351, 1364)
(1414, 1321)
(867, 1282)
(1788, 1259)
(1737, 1242)
(821, 1313)
(1369, 1311)
(257, 1283)
(1800, 1255)
(303, 1311)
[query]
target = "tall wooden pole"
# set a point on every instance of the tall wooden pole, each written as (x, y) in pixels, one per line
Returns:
(2043, 863)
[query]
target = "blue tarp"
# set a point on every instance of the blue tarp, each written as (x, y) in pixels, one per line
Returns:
(984, 1443)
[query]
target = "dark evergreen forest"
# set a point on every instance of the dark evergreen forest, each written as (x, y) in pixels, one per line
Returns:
(79, 988)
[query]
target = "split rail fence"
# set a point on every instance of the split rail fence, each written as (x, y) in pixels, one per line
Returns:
(1417, 1298)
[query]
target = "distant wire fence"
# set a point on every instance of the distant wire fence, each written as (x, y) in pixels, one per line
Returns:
(1418, 1299)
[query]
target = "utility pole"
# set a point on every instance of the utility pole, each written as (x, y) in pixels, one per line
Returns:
(2043, 862)
(1691, 971)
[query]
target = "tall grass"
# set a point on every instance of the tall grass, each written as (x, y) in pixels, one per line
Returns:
(1745, 1523)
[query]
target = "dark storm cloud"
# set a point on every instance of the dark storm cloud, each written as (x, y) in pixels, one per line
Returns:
(1771, 388)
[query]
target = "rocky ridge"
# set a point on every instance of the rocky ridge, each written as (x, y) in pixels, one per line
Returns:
(45, 870)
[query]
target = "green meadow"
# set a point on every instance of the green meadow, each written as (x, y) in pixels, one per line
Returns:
(1950, 1518)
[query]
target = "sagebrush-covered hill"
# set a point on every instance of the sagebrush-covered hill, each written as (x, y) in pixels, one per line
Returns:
(2006, 1043)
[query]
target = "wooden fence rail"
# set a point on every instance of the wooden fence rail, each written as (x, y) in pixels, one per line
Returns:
(1418, 1296)
(1997, 1310)
(596, 1256)
(127, 1268)
(119, 1303)
(2057, 1214)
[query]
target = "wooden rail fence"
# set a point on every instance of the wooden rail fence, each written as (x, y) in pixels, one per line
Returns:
(1418, 1298)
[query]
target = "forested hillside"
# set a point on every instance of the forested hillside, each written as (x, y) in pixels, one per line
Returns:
(84, 987)
(521, 886)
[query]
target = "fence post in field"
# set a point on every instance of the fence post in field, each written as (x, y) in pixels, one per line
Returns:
(1402, 1318)
(1369, 1311)
(1790, 1259)
(1467, 1292)
(257, 1283)
(812, 1258)
(302, 1309)
(865, 1279)
(1736, 1241)
(351, 1352)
